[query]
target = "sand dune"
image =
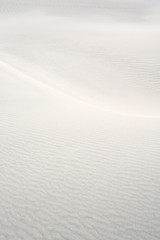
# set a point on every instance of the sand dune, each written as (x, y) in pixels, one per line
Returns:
(121, 79)
(79, 120)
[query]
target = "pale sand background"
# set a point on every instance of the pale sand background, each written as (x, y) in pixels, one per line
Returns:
(79, 120)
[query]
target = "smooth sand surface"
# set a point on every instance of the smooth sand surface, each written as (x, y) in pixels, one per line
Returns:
(79, 120)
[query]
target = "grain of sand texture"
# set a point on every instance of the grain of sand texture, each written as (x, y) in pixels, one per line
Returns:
(79, 120)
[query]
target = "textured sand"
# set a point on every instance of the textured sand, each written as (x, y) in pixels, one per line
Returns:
(79, 120)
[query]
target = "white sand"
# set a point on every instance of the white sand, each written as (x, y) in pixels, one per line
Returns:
(79, 120)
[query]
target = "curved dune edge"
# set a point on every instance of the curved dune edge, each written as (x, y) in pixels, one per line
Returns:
(28, 77)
